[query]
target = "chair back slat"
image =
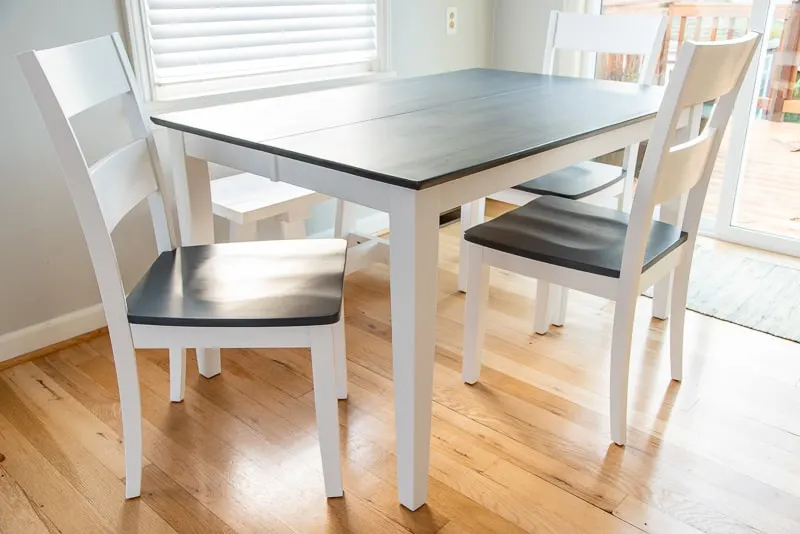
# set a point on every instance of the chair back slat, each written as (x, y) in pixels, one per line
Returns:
(682, 166)
(83, 75)
(122, 180)
(68, 80)
(682, 169)
(628, 34)
(716, 67)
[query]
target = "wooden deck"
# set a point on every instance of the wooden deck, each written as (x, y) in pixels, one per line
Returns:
(769, 190)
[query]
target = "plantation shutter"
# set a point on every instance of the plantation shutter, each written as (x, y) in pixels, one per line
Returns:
(198, 40)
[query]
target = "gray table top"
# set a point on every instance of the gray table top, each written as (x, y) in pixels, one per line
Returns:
(420, 132)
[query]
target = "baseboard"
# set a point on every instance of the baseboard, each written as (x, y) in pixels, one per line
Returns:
(49, 336)
(29, 341)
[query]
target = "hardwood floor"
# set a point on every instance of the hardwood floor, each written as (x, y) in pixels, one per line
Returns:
(526, 449)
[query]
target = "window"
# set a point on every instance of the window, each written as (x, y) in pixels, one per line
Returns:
(191, 47)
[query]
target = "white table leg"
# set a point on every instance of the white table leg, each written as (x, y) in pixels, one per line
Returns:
(195, 220)
(471, 214)
(414, 218)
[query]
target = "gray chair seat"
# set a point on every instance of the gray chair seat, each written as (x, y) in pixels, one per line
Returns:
(252, 284)
(576, 182)
(571, 234)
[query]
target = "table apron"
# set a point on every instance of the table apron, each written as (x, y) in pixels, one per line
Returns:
(485, 183)
(337, 184)
(376, 195)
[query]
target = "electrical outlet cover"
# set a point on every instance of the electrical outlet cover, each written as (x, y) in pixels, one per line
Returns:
(452, 20)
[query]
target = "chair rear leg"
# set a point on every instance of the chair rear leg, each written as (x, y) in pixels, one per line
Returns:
(177, 374)
(131, 410)
(624, 313)
(475, 320)
(209, 362)
(326, 405)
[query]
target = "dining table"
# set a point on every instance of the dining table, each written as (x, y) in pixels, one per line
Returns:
(413, 148)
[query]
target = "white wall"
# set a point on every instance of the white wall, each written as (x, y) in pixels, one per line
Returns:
(520, 30)
(420, 45)
(45, 271)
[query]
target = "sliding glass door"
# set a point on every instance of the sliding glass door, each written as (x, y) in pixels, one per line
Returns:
(759, 197)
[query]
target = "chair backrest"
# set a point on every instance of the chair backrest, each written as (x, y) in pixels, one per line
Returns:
(630, 35)
(66, 81)
(672, 168)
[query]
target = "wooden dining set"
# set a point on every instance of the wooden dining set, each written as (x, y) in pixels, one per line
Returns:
(413, 148)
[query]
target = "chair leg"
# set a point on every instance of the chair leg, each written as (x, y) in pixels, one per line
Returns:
(323, 371)
(293, 228)
(475, 320)
(340, 357)
(559, 305)
(471, 214)
(680, 289)
(243, 232)
(339, 220)
(177, 374)
(625, 199)
(209, 362)
(624, 313)
(131, 408)
(541, 319)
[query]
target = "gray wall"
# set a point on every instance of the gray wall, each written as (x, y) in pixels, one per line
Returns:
(44, 266)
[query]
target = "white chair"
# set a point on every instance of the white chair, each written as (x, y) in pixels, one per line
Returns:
(244, 199)
(605, 254)
(261, 294)
(633, 35)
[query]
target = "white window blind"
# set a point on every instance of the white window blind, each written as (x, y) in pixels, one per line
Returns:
(202, 40)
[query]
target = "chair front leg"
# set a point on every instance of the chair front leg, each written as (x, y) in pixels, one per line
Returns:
(324, 374)
(475, 320)
(177, 374)
(472, 214)
(340, 357)
(242, 232)
(541, 318)
(558, 310)
(624, 313)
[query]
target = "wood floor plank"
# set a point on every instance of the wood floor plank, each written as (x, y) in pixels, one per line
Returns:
(80, 467)
(177, 506)
(228, 446)
(17, 512)
(46, 489)
(69, 416)
(649, 519)
(525, 450)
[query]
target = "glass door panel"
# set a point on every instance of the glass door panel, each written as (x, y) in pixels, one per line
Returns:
(767, 197)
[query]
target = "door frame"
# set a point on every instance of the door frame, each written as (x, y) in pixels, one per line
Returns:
(735, 164)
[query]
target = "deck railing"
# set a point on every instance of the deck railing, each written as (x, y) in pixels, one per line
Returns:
(712, 21)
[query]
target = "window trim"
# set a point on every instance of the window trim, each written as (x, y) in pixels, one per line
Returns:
(136, 21)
